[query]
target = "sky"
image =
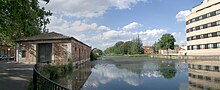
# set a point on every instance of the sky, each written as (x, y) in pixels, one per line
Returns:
(102, 23)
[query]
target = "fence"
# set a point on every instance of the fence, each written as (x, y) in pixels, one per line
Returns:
(40, 82)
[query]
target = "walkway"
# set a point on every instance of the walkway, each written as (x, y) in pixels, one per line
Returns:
(14, 76)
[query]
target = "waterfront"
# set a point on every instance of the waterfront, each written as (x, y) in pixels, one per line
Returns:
(117, 73)
(141, 73)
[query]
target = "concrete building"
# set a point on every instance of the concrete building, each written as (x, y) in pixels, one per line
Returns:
(51, 48)
(203, 29)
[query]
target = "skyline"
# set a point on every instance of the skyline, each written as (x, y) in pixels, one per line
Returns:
(102, 23)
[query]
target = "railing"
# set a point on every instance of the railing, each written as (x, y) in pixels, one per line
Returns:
(40, 82)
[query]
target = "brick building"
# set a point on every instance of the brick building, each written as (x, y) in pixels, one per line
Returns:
(53, 48)
(148, 50)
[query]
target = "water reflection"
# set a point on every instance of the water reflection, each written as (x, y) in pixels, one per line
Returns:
(76, 79)
(153, 75)
(204, 75)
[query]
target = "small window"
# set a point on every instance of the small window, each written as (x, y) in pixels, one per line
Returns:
(217, 12)
(195, 47)
(209, 25)
(193, 20)
(201, 27)
(210, 46)
(209, 35)
(218, 23)
(208, 15)
(218, 45)
(200, 17)
(201, 36)
(194, 37)
(202, 46)
(218, 33)
(194, 28)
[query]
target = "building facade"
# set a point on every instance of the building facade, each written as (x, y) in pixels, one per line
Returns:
(203, 29)
(51, 48)
(148, 50)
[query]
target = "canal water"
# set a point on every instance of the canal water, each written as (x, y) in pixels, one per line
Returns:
(127, 73)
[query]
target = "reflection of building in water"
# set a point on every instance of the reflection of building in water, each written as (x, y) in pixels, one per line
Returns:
(80, 76)
(204, 75)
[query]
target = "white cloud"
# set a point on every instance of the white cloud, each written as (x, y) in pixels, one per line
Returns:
(87, 8)
(101, 36)
(131, 26)
(181, 16)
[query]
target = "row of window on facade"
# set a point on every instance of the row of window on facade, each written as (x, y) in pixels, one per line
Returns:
(212, 24)
(208, 6)
(209, 35)
(204, 46)
(207, 15)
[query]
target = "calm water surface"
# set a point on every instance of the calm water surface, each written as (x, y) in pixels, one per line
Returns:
(126, 73)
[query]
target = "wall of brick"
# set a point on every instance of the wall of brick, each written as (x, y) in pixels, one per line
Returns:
(80, 52)
(60, 53)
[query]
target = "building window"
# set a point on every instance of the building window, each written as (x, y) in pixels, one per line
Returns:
(210, 46)
(200, 17)
(23, 53)
(208, 15)
(194, 37)
(209, 35)
(194, 29)
(218, 33)
(217, 12)
(201, 36)
(201, 27)
(193, 20)
(194, 47)
(202, 46)
(218, 45)
(209, 25)
(218, 23)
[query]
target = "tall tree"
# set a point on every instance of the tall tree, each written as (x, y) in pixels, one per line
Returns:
(167, 42)
(21, 18)
(137, 46)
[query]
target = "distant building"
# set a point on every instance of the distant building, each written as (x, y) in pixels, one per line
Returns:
(6, 50)
(51, 48)
(148, 50)
(203, 29)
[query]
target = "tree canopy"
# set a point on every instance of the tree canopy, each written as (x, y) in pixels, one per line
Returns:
(130, 47)
(166, 42)
(22, 18)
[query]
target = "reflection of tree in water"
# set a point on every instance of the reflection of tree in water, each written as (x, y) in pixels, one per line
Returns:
(167, 69)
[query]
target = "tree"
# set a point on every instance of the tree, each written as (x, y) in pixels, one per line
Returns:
(21, 18)
(126, 47)
(137, 46)
(167, 42)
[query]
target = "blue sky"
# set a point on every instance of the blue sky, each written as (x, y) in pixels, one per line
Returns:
(102, 23)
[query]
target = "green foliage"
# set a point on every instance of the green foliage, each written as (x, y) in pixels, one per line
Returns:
(166, 41)
(93, 56)
(130, 47)
(51, 71)
(54, 72)
(168, 70)
(21, 18)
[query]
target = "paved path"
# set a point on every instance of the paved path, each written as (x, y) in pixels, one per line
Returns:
(14, 76)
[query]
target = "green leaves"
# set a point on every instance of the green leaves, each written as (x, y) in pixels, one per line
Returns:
(21, 18)
(166, 41)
